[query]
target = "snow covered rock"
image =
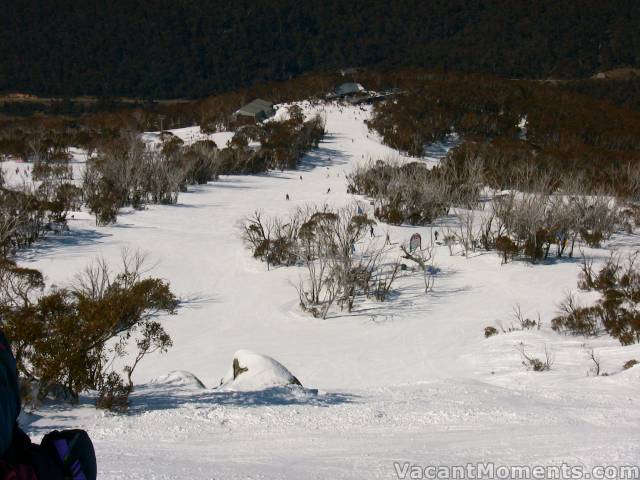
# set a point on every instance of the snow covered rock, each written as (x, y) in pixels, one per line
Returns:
(251, 371)
(179, 379)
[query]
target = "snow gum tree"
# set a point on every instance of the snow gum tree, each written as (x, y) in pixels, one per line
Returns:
(66, 338)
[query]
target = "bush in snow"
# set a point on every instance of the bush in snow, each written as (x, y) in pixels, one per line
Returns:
(113, 394)
(60, 337)
(126, 172)
(201, 161)
(324, 241)
(507, 248)
(534, 363)
(525, 323)
(282, 144)
(27, 214)
(337, 274)
(409, 193)
(272, 240)
(630, 363)
(577, 320)
(490, 331)
(534, 221)
(618, 309)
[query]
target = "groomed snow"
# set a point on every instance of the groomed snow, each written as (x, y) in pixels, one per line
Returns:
(410, 380)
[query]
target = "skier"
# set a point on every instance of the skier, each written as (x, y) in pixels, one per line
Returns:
(328, 190)
(371, 231)
(61, 455)
(435, 234)
(287, 196)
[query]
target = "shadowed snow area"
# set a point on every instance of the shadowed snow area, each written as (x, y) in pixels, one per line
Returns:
(412, 380)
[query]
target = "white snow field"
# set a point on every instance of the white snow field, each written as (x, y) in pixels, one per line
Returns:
(411, 380)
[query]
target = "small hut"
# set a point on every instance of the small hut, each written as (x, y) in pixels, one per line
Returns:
(256, 111)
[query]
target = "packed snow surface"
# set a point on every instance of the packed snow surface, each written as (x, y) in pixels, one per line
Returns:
(411, 380)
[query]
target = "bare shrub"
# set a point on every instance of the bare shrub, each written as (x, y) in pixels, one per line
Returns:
(598, 217)
(424, 258)
(595, 359)
(384, 281)
(324, 241)
(523, 322)
(534, 363)
(449, 240)
(273, 240)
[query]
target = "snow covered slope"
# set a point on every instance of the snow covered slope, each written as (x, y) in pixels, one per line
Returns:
(409, 380)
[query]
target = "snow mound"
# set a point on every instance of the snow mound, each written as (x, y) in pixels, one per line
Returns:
(252, 371)
(179, 379)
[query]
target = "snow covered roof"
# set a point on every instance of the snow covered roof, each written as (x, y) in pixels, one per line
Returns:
(348, 89)
(256, 108)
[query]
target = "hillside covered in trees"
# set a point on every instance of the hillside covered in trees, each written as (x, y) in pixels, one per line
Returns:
(191, 48)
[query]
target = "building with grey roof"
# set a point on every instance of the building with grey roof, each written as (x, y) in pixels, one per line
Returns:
(257, 110)
(346, 90)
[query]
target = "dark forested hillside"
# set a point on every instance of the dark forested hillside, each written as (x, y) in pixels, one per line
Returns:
(189, 48)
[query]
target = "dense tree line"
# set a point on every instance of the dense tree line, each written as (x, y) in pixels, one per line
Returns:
(569, 126)
(127, 172)
(511, 124)
(621, 92)
(44, 130)
(191, 48)
(544, 217)
(487, 107)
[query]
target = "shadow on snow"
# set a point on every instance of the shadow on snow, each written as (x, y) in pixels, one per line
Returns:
(149, 397)
(51, 243)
